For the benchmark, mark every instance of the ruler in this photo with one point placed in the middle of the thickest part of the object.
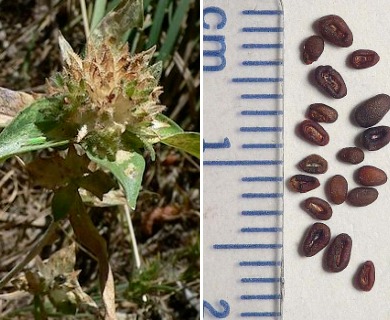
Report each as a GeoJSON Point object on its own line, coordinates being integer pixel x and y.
{"type": "Point", "coordinates": [242, 159]}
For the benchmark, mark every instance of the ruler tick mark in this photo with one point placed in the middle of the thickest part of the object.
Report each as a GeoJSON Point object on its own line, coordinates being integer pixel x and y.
{"type": "Point", "coordinates": [247, 229]}
{"type": "Point", "coordinates": [261, 213]}
{"type": "Point", "coordinates": [260, 280]}
{"type": "Point", "coordinates": [260, 263]}
{"type": "Point", "coordinates": [261, 129]}
{"type": "Point", "coordinates": [262, 46]}
{"type": "Point", "coordinates": [243, 163]}
{"type": "Point", "coordinates": [261, 113]}
{"type": "Point", "coordinates": [261, 297]}
{"type": "Point", "coordinates": [262, 63]}
{"type": "Point", "coordinates": [262, 145]}
{"type": "Point", "coordinates": [262, 179]}
{"type": "Point", "coordinates": [239, 246]}
{"type": "Point", "coordinates": [252, 80]}
{"type": "Point", "coordinates": [262, 12]}
{"type": "Point", "coordinates": [261, 314]}
{"type": "Point", "coordinates": [249, 96]}
{"type": "Point", "coordinates": [262, 29]}
{"type": "Point", "coordinates": [261, 195]}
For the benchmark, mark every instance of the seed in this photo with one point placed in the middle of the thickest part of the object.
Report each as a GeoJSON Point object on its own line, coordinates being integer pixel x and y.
{"type": "Point", "coordinates": [330, 81]}
{"type": "Point", "coordinates": [318, 208]}
{"type": "Point", "coordinates": [337, 189]}
{"type": "Point", "coordinates": [312, 49]}
{"type": "Point", "coordinates": [370, 176]}
{"type": "Point", "coordinates": [352, 155]}
{"type": "Point", "coordinates": [365, 277]}
{"type": "Point", "coordinates": [361, 59]}
{"type": "Point", "coordinates": [314, 164]}
{"type": "Point", "coordinates": [302, 183]}
{"type": "Point", "coordinates": [314, 132]}
{"type": "Point", "coordinates": [334, 29]}
{"type": "Point", "coordinates": [362, 196]}
{"type": "Point", "coordinates": [370, 112]}
{"type": "Point", "coordinates": [376, 138]}
{"type": "Point", "coordinates": [322, 113]}
{"type": "Point", "coordinates": [316, 239]}
{"type": "Point", "coordinates": [339, 253]}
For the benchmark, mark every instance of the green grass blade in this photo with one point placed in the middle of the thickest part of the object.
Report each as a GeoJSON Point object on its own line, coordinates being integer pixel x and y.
{"type": "Point", "coordinates": [99, 10]}
{"type": "Point", "coordinates": [158, 19]}
{"type": "Point", "coordinates": [174, 29]}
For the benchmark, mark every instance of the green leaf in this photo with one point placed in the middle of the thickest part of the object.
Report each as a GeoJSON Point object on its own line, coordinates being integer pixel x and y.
{"type": "Point", "coordinates": [166, 127]}
{"type": "Point", "coordinates": [127, 15]}
{"type": "Point", "coordinates": [62, 202]}
{"type": "Point", "coordinates": [128, 168]}
{"type": "Point", "coordinates": [25, 133]}
{"type": "Point", "coordinates": [186, 141]}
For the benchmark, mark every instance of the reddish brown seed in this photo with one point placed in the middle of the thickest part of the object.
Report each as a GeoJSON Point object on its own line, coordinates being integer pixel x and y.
{"type": "Point", "coordinates": [322, 113]}
{"type": "Point", "coordinates": [339, 253]}
{"type": "Point", "coordinates": [337, 189]}
{"type": "Point", "coordinates": [334, 29]}
{"type": "Point", "coordinates": [363, 58]}
{"type": "Point", "coordinates": [318, 208]}
{"type": "Point", "coordinates": [362, 196]}
{"type": "Point", "coordinates": [370, 176]}
{"type": "Point", "coordinates": [371, 111]}
{"type": "Point", "coordinates": [376, 138]}
{"type": "Point", "coordinates": [314, 132]}
{"type": "Point", "coordinates": [352, 155]}
{"type": "Point", "coordinates": [302, 183]}
{"type": "Point", "coordinates": [316, 239]}
{"type": "Point", "coordinates": [314, 164]}
{"type": "Point", "coordinates": [365, 277]}
{"type": "Point", "coordinates": [312, 49]}
{"type": "Point", "coordinates": [330, 81]}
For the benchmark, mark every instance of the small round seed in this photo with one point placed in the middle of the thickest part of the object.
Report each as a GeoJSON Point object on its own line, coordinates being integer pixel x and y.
{"type": "Point", "coordinates": [318, 208]}
{"type": "Point", "coordinates": [337, 189]}
{"type": "Point", "coordinates": [365, 277]}
{"type": "Point", "coordinates": [312, 49]}
{"type": "Point", "coordinates": [371, 111]}
{"type": "Point", "coordinates": [376, 138]}
{"type": "Point", "coordinates": [322, 113]}
{"type": "Point", "coordinates": [352, 155]}
{"type": "Point", "coordinates": [303, 183]}
{"type": "Point", "coordinates": [314, 164]}
{"type": "Point", "coordinates": [370, 176]}
{"type": "Point", "coordinates": [314, 132]}
{"type": "Point", "coordinates": [362, 196]}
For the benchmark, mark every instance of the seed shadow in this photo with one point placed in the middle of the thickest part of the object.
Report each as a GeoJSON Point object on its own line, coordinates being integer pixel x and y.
{"type": "Point", "coordinates": [300, 248]}
{"type": "Point", "coordinates": [359, 141]}
{"type": "Point", "coordinates": [301, 47]}
{"type": "Point", "coordinates": [325, 255]}
{"type": "Point", "coordinates": [355, 276]}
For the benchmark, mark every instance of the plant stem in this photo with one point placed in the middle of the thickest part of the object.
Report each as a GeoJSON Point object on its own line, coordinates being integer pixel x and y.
{"type": "Point", "coordinates": [85, 17]}
{"type": "Point", "coordinates": [132, 236]}
{"type": "Point", "coordinates": [31, 255]}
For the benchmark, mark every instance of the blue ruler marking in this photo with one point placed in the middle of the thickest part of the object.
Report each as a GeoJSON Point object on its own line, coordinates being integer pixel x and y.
{"type": "Point", "coordinates": [260, 280]}
{"type": "Point", "coordinates": [253, 63]}
{"type": "Point", "coordinates": [239, 246]}
{"type": "Point", "coordinates": [262, 29]}
{"type": "Point", "coordinates": [261, 113]}
{"type": "Point", "coordinates": [252, 229]}
{"type": "Point", "coordinates": [249, 96]}
{"type": "Point", "coordinates": [245, 80]}
{"type": "Point", "coordinates": [261, 195]}
{"type": "Point", "coordinates": [243, 163]}
{"type": "Point", "coordinates": [265, 263]}
{"type": "Point", "coordinates": [262, 12]}
{"type": "Point", "coordinates": [261, 297]}
{"type": "Point", "coordinates": [262, 179]}
{"type": "Point", "coordinates": [261, 213]}
{"type": "Point", "coordinates": [261, 129]}
{"type": "Point", "coordinates": [260, 314]}
{"type": "Point", "coordinates": [262, 145]}
{"type": "Point", "coordinates": [262, 45]}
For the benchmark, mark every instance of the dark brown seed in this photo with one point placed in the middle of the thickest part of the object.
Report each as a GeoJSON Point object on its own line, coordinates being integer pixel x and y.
{"type": "Point", "coordinates": [337, 189]}
{"type": "Point", "coordinates": [314, 164]}
{"type": "Point", "coordinates": [364, 58]}
{"type": "Point", "coordinates": [314, 132]}
{"type": "Point", "coordinates": [334, 29]}
{"type": "Point", "coordinates": [370, 176]}
{"type": "Point", "coordinates": [352, 155]}
{"type": "Point", "coordinates": [376, 138]}
{"type": "Point", "coordinates": [370, 112]}
{"type": "Point", "coordinates": [318, 208]}
{"type": "Point", "coordinates": [316, 239]}
{"type": "Point", "coordinates": [365, 277]}
{"type": "Point", "coordinates": [302, 183]}
{"type": "Point", "coordinates": [339, 253]}
{"type": "Point", "coordinates": [330, 81]}
{"type": "Point", "coordinates": [362, 196]}
{"type": "Point", "coordinates": [312, 49]}
{"type": "Point", "coordinates": [322, 113]}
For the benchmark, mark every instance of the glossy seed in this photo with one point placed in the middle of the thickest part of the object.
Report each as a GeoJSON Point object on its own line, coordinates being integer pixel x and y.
{"type": "Point", "coordinates": [362, 196]}
{"type": "Point", "coordinates": [365, 277]}
{"type": "Point", "coordinates": [353, 155]}
{"type": "Point", "coordinates": [329, 80]}
{"type": "Point", "coordinates": [302, 183]}
{"type": "Point", "coordinates": [376, 138]}
{"type": "Point", "coordinates": [370, 112]}
{"type": "Point", "coordinates": [316, 239]}
{"type": "Point", "coordinates": [337, 189]}
{"type": "Point", "coordinates": [313, 164]}
{"type": "Point", "coordinates": [370, 176]}
{"type": "Point", "coordinates": [339, 253]}
{"type": "Point", "coordinates": [318, 208]}
{"type": "Point", "coordinates": [314, 132]}
{"type": "Point", "coordinates": [312, 49]}
{"type": "Point", "coordinates": [335, 30]}
{"type": "Point", "coordinates": [364, 58]}
{"type": "Point", "coordinates": [322, 113]}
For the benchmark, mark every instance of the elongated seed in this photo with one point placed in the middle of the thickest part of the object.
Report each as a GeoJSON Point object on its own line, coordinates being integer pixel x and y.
{"type": "Point", "coordinates": [322, 113]}
{"type": "Point", "coordinates": [337, 189]}
{"type": "Point", "coordinates": [303, 183]}
{"type": "Point", "coordinates": [371, 111]}
{"type": "Point", "coordinates": [318, 208]}
{"type": "Point", "coordinates": [363, 58]}
{"type": "Point", "coordinates": [316, 239]}
{"type": "Point", "coordinates": [339, 253]}
{"type": "Point", "coordinates": [353, 155]}
{"type": "Point", "coordinates": [362, 196]}
{"type": "Point", "coordinates": [365, 277]}
{"type": "Point", "coordinates": [330, 81]}
{"type": "Point", "coordinates": [370, 176]}
{"type": "Point", "coordinates": [376, 138]}
{"type": "Point", "coordinates": [314, 132]}
{"type": "Point", "coordinates": [314, 164]}
{"type": "Point", "coordinates": [312, 49]}
{"type": "Point", "coordinates": [335, 30]}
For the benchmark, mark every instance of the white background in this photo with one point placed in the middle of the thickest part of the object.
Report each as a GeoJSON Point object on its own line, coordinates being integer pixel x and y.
{"type": "Point", "coordinates": [310, 292]}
